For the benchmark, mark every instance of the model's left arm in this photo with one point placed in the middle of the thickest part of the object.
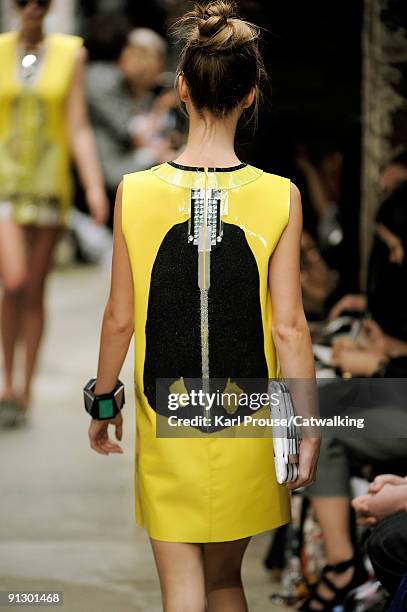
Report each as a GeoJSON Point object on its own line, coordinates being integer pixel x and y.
{"type": "Point", "coordinates": [83, 145]}
{"type": "Point", "coordinates": [290, 329]}
{"type": "Point", "coordinates": [116, 334]}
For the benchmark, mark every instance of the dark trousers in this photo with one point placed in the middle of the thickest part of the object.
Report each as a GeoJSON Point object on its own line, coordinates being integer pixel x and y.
{"type": "Point", "coordinates": [387, 549]}
{"type": "Point", "coordinates": [382, 444]}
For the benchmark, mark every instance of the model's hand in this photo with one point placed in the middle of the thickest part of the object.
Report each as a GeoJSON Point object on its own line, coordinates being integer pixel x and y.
{"type": "Point", "coordinates": [309, 453]}
{"type": "Point", "coordinates": [98, 204]}
{"type": "Point", "coordinates": [99, 437]}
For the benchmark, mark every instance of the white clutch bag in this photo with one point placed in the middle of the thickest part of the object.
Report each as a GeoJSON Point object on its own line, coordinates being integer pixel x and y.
{"type": "Point", "coordinates": [286, 443]}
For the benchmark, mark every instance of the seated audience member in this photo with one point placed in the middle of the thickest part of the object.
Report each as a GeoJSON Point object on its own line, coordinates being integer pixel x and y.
{"type": "Point", "coordinates": [385, 333]}
{"type": "Point", "coordinates": [385, 508]}
{"type": "Point", "coordinates": [322, 170]}
{"type": "Point", "coordinates": [111, 79]}
{"type": "Point", "coordinates": [154, 123]}
{"type": "Point", "coordinates": [109, 98]}
{"type": "Point", "coordinates": [320, 164]}
{"type": "Point", "coordinates": [386, 296]}
{"type": "Point", "coordinates": [340, 457]}
{"type": "Point", "coordinates": [380, 352]}
{"type": "Point", "coordinates": [317, 279]}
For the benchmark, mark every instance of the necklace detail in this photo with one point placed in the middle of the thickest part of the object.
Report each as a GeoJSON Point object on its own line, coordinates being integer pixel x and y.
{"type": "Point", "coordinates": [30, 58]}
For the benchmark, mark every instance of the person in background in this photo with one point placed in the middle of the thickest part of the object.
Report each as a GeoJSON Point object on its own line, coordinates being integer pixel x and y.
{"type": "Point", "coordinates": [322, 173]}
{"type": "Point", "coordinates": [380, 351]}
{"type": "Point", "coordinates": [321, 251]}
{"type": "Point", "coordinates": [145, 61]}
{"type": "Point", "coordinates": [109, 98]}
{"type": "Point", "coordinates": [318, 281]}
{"type": "Point", "coordinates": [384, 336]}
{"type": "Point", "coordinates": [385, 249]}
{"type": "Point", "coordinates": [43, 122]}
{"type": "Point", "coordinates": [385, 509]}
{"type": "Point", "coordinates": [118, 79]}
{"type": "Point", "coordinates": [154, 125]}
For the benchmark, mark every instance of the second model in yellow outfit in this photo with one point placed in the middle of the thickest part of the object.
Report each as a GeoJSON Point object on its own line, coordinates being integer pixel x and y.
{"type": "Point", "coordinates": [35, 181]}
{"type": "Point", "coordinates": [199, 242]}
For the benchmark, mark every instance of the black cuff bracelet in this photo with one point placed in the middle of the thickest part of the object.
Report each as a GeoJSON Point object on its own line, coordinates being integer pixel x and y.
{"type": "Point", "coordinates": [105, 405]}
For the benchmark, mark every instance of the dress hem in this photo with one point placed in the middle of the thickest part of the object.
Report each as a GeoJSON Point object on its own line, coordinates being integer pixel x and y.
{"type": "Point", "coordinates": [239, 536]}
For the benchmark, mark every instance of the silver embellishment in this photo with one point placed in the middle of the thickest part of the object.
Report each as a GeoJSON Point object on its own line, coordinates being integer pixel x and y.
{"type": "Point", "coordinates": [205, 230]}
{"type": "Point", "coordinates": [210, 215]}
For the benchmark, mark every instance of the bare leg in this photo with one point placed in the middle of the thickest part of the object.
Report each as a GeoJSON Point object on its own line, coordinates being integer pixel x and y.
{"type": "Point", "coordinates": [180, 570]}
{"type": "Point", "coordinates": [42, 243]}
{"type": "Point", "coordinates": [223, 582]}
{"type": "Point", "coordinates": [333, 514]}
{"type": "Point", "coordinates": [13, 274]}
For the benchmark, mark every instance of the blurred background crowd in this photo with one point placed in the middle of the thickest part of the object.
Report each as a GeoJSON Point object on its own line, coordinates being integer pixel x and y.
{"type": "Point", "coordinates": [333, 71]}
{"type": "Point", "coordinates": [335, 122]}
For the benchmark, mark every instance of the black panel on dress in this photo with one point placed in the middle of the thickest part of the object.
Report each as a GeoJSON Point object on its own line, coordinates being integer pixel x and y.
{"type": "Point", "coordinates": [173, 326]}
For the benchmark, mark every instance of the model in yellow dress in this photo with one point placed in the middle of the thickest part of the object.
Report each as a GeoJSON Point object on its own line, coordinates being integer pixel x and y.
{"type": "Point", "coordinates": [190, 489]}
{"type": "Point", "coordinates": [205, 275]}
{"type": "Point", "coordinates": [43, 124]}
{"type": "Point", "coordinates": [35, 180]}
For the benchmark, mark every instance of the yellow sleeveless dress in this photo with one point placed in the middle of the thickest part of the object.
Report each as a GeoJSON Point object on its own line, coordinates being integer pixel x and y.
{"type": "Point", "coordinates": [35, 181]}
{"type": "Point", "coordinates": [199, 242]}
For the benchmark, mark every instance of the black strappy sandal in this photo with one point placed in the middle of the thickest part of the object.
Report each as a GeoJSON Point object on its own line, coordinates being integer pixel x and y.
{"type": "Point", "coordinates": [360, 576]}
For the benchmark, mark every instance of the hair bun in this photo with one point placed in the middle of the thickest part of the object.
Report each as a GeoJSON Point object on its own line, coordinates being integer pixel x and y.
{"type": "Point", "coordinates": [220, 61]}
{"type": "Point", "coordinates": [214, 17]}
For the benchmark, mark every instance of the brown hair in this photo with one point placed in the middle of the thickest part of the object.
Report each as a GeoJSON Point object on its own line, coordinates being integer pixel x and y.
{"type": "Point", "coordinates": [220, 58]}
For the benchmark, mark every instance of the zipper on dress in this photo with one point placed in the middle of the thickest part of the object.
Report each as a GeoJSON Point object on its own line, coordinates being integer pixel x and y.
{"type": "Point", "coordinates": [204, 250]}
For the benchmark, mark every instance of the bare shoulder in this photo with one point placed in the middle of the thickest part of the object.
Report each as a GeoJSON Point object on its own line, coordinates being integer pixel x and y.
{"type": "Point", "coordinates": [295, 193]}
{"type": "Point", "coordinates": [119, 194]}
{"type": "Point", "coordinates": [80, 61]}
{"type": "Point", "coordinates": [295, 214]}
{"type": "Point", "coordinates": [117, 210]}
{"type": "Point", "coordinates": [81, 56]}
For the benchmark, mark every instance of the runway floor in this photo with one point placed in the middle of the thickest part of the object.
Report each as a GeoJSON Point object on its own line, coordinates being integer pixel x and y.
{"type": "Point", "coordinates": [66, 513]}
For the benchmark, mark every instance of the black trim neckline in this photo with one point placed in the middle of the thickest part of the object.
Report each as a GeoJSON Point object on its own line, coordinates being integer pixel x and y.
{"type": "Point", "coordinates": [202, 169]}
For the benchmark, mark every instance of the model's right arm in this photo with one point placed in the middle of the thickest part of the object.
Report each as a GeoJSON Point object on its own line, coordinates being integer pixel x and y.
{"type": "Point", "coordinates": [290, 329]}
{"type": "Point", "coordinates": [116, 334]}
